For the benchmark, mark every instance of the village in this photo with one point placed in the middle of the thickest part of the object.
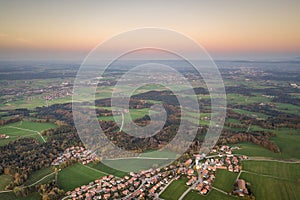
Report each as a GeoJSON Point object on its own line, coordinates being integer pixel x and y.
{"type": "Point", "coordinates": [200, 171]}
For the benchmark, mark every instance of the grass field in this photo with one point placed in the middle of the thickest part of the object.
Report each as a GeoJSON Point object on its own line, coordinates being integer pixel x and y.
{"type": "Point", "coordinates": [272, 188]}
{"type": "Point", "coordinates": [134, 113]}
{"type": "Point", "coordinates": [136, 164]}
{"type": "Point", "coordinates": [37, 175]}
{"type": "Point", "coordinates": [23, 129]}
{"type": "Point", "coordinates": [4, 181]}
{"type": "Point", "coordinates": [288, 141]}
{"type": "Point", "coordinates": [225, 180]}
{"type": "Point", "coordinates": [159, 154]}
{"type": "Point", "coordinates": [251, 149]}
{"type": "Point", "coordinates": [289, 171]}
{"type": "Point", "coordinates": [288, 108]}
{"type": "Point", "coordinates": [175, 189]}
{"type": "Point", "coordinates": [251, 114]}
{"type": "Point", "coordinates": [77, 175]}
{"type": "Point", "coordinates": [272, 180]}
{"type": "Point", "coordinates": [212, 195]}
{"type": "Point", "coordinates": [104, 168]}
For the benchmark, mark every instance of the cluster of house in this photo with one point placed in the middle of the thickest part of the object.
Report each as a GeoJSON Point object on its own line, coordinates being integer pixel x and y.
{"type": "Point", "coordinates": [152, 182]}
{"type": "Point", "coordinates": [4, 136]}
{"type": "Point", "coordinates": [78, 153]}
{"type": "Point", "coordinates": [146, 183]}
{"type": "Point", "coordinates": [207, 167]}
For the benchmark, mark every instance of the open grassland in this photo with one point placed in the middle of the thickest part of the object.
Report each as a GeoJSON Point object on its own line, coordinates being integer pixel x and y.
{"type": "Point", "coordinates": [254, 150]}
{"type": "Point", "coordinates": [288, 108]}
{"type": "Point", "coordinates": [251, 114]}
{"type": "Point", "coordinates": [136, 164]}
{"type": "Point", "coordinates": [159, 154]}
{"type": "Point", "coordinates": [77, 175]}
{"type": "Point", "coordinates": [40, 174]}
{"type": "Point", "coordinates": [133, 113]}
{"type": "Point", "coordinates": [23, 129]}
{"type": "Point", "coordinates": [4, 181]}
{"type": "Point", "coordinates": [288, 141]}
{"type": "Point", "coordinates": [289, 171]}
{"type": "Point", "coordinates": [35, 126]}
{"type": "Point", "coordinates": [225, 180]}
{"type": "Point", "coordinates": [242, 100]}
{"type": "Point", "coordinates": [269, 188]}
{"type": "Point", "coordinates": [108, 170]}
{"type": "Point", "coordinates": [175, 189]}
{"type": "Point", "coordinates": [212, 195]}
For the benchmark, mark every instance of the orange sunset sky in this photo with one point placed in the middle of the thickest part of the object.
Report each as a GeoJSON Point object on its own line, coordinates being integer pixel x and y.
{"type": "Point", "coordinates": [69, 29]}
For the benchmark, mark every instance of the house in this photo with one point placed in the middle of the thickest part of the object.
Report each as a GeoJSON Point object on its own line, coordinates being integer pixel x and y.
{"type": "Point", "coordinates": [242, 190]}
{"type": "Point", "coordinates": [190, 172]}
{"type": "Point", "coordinates": [188, 162]}
{"type": "Point", "coordinates": [4, 136]}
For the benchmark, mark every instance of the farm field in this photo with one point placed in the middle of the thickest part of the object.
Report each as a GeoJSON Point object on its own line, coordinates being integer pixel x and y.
{"type": "Point", "coordinates": [289, 171]}
{"type": "Point", "coordinates": [159, 154]}
{"type": "Point", "coordinates": [251, 149]}
{"type": "Point", "coordinates": [136, 164]}
{"type": "Point", "coordinates": [104, 168]}
{"type": "Point", "coordinates": [24, 129]}
{"type": "Point", "coordinates": [212, 195]}
{"type": "Point", "coordinates": [272, 188]}
{"type": "Point", "coordinates": [134, 113]}
{"type": "Point", "coordinates": [37, 175]}
{"type": "Point", "coordinates": [175, 189]}
{"type": "Point", "coordinates": [225, 180]}
{"type": "Point", "coordinates": [77, 175]}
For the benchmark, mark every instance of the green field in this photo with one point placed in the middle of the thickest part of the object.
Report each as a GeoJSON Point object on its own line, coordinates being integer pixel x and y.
{"type": "Point", "coordinates": [23, 129]}
{"type": "Point", "coordinates": [251, 114]}
{"type": "Point", "coordinates": [288, 108]}
{"type": "Point", "coordinates": [77, 175]}
{"type": "Point", "coordinates": [104, 168]}
{"type": "Point", "coordinates": [212, 195]}
{"type": "Point", "coordinates": [136, 164]}
{"type": "Point", "coordinates": [272, 179]}
{"type": "Point", "coordinates": [133, 113]}
{"type": "Point", "coordinates": [289, 171]}
{"type": "Point", "coordinates": [4, 181]}
{"type": "Point", "coordinates": [272, 188]}
{"type": "Point", "coordinates": [175, 189]}
{"type": "Point", "coordinates": [37, 175]}
{"type": "Point", "coordinates": [159, 154]}
{"type": "Point", "coordinates": [288, 141]}
{"type": "Point", "coordinates": [251, 149]}
{"type": "Point", "coordinates": [225, 180]}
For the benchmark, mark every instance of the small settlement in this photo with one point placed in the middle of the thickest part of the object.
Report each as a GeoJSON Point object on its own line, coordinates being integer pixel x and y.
{"type": "Point", "coordinates": [200, 171]}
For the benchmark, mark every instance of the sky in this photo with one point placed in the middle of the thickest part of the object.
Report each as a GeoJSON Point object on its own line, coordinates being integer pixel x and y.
{"type": "Point", "coordinates": [69, 29]}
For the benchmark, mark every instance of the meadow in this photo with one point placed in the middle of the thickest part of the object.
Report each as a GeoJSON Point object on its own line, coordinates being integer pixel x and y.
{"type": "Point", "coordinates": [288, 171]}
{"type": "Point", "coordinates": [24, 129]}
{"type": "Point", "coordinates": [272, 188]}
{"type": "Point", "coordinates": [212, 195]}
{"type": "Point", "coordinates": [77, 175]}
{"type": "Point", "coordinates": [136, 164]}
{"type": "Point", "coordinates": [40, 174]}
{"type": "Point", "coordinates": [225, 180]}
{"type": "Point", "coordinates": [106, 169]}
{"type": "Point", "coordinates": [175, 189]}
